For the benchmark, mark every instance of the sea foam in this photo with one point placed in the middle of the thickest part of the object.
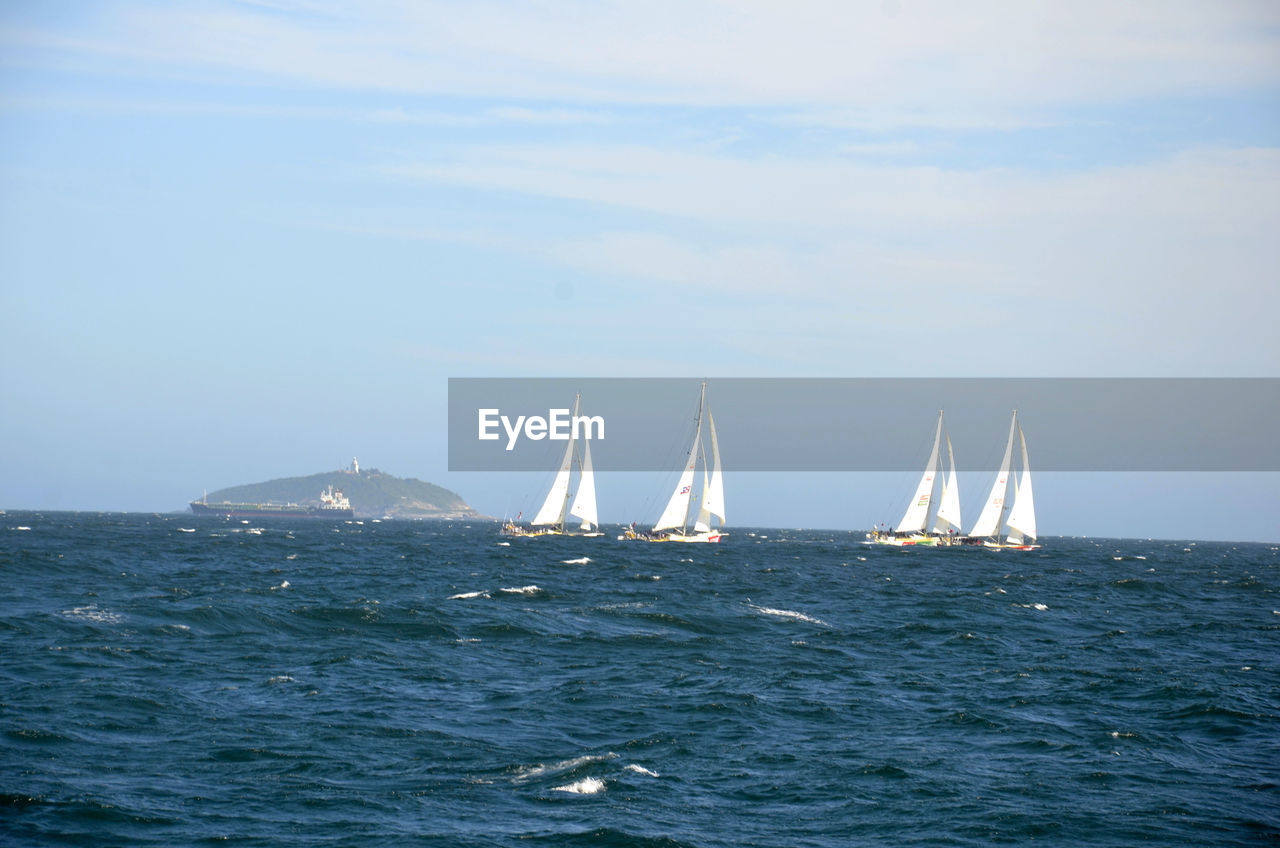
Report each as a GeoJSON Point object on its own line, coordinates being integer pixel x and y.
{"type": "Point", "coordinates": [792, 614]}
{"type": "Point", "coordinates": [586, 786]}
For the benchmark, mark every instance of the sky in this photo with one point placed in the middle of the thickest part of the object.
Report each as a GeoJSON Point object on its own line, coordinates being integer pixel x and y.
{"type": "Point", "coordinates": [247, 240]}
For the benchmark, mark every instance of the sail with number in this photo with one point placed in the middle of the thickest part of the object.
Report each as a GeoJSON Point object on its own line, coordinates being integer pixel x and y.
{"type": "Point", "coordinates": [673, 524]}
{"type": "Point", "coordinates": [677, 511]}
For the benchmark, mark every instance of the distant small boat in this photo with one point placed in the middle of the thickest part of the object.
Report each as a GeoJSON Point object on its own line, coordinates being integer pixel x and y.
{"type": "Point", "coordinates": [1020, 523]}
{"type": "Point", "coordinates": [946, 525]}
{"type": "Point", "coordinates": [551, 519]}
{"type": "Point", "coordinates": [673, 525]}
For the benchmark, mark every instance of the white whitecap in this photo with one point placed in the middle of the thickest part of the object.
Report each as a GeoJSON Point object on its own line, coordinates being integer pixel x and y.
{"type": "Point", "coordinates": [504, 544]}
{"type": "Point", "coordinates": [22, 527]}
{"type": "Point", "coordinates": [521, 590]}
{"type": "Point", "coordinates": [540, 770]}
{"type": "Point", "coordinates": [186, 529]}
{"type": "Point", "coordinates": [93, 613]}
{"type": "Point", "coordinates": [462, 596]}
{"type": "Point", "coordinates": [792, 614]}
{"type": "Point", "coordinates": [641, 770]}
{"type": "Point", "coordinates": [578, 561]}
{"type": "Point", "coordinates": [586, 786]}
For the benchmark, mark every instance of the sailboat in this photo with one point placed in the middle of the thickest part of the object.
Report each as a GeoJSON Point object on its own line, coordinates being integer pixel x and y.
{"type": "Point", "coordinates": [673, 525]}
{"type": "Point", "coordinates": [552, 518]}
{"type": "Point", "coordinates": [1020, 522]}
{"type": "Point", "coordinates": [946, 523]}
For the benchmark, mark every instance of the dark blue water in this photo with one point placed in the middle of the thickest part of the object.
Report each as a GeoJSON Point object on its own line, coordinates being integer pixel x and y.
{"type": "Point", "coordinates": [172, 681]}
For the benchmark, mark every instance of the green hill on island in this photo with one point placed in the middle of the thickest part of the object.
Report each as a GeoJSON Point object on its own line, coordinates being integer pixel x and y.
{"type": "Point", "coordinates": [373, 494]}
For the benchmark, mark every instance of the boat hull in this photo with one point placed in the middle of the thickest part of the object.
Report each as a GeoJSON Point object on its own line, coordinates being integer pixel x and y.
{"type": "Point", "coordinates": [514, 530]}
{"type": "Point", "coordinates": [916, 541]}
{"type": "Point", "coordinates": [713, 536]}
{"type": "Point", "coordinates": [251, 510]}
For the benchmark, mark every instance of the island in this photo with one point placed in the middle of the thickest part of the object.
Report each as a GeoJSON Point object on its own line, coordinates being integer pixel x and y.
{"type": "Point", "coordinates": [371, 494]}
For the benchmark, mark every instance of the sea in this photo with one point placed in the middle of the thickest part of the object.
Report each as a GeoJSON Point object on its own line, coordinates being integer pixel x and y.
{"type": "Point", "coordinates": [167, 680]}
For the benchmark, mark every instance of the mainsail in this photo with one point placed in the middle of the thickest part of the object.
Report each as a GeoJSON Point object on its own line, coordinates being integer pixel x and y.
{"type": "Point", "coordinates": [584, 503]}
{"type": "Point", "coordinates": [948, 517]}
{"type": "Point", "coordinates": [552, 511]}
{"type": "Point", "coordinates": [713, 488]}
{"type": "Point", "coordinates": [917, 514]}
{"type": "Point", "coordinates": [711, 503]}
{"type": "Point", "coordinates": [677, 511]}
{"type": "Point", "coordinates": [989, 520]}
{"type": "Point", "coordinates": [555, 507]}
{"type": "Point", "coordinates": [1022, 517]}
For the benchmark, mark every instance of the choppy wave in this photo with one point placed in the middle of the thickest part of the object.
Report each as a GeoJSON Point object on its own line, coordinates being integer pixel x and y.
{"type": "Point", "coordinates": [420, 683]}
{"type": "Point", "coordinates": [791, 614]}
{"type": "Point", "coordinates": [586, 786]}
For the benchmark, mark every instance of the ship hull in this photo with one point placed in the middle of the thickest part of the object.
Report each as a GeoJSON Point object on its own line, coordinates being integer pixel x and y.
{"type": "Point", "coordinates": [249, 510]}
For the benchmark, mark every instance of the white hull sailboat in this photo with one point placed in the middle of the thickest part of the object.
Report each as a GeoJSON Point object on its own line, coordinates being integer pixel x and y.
{"type": "Point", "coordinates": [946, 521]}
{"type": "Point", "coordinates": [673, 525]}
{"type": "Point", "coordinates": [552, 518]}
{"type": "Point", "coordinates": [1019, 522]}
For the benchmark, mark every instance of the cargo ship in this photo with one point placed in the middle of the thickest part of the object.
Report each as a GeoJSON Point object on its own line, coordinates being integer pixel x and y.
{"type": "Point", "coordinates": [333, 504]}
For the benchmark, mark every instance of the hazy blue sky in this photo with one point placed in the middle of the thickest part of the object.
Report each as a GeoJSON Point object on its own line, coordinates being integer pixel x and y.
{"type": "Point", "coordinates": [244, 240]}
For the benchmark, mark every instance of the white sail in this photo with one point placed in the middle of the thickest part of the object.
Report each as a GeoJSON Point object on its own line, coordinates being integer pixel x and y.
{"type": "Point", "coordinates": [702, 524]}
{"type": "Point", "coordinates": [988, 523]}
{"type": "Point", "coordinates": [917, 514]}
{"type": "Point", "coordinates": [713, 491]}
{"type": "Point", "coordinates": [711, 502]}
{"type": "Point", "coordinates": [1022, 517]}
{"type": "Point", "coordinates": [584, 502]}
{"type": "Point", "coordinates": [677, 510]}
{"type": "Point", "coordinates": [949, 511]}
{"type": "Point", "coordinates": [552, 511]}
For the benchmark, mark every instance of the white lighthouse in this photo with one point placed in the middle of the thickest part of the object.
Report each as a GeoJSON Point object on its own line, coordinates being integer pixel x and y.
{"type": "Point", "coordinates": [355, 465]}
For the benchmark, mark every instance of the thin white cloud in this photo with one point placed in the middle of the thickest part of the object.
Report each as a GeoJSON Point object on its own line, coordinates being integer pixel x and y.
{"type": "Point", "coordinates": [824, 194]}
{"type": "Point", "coordinates": [930, 63]}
